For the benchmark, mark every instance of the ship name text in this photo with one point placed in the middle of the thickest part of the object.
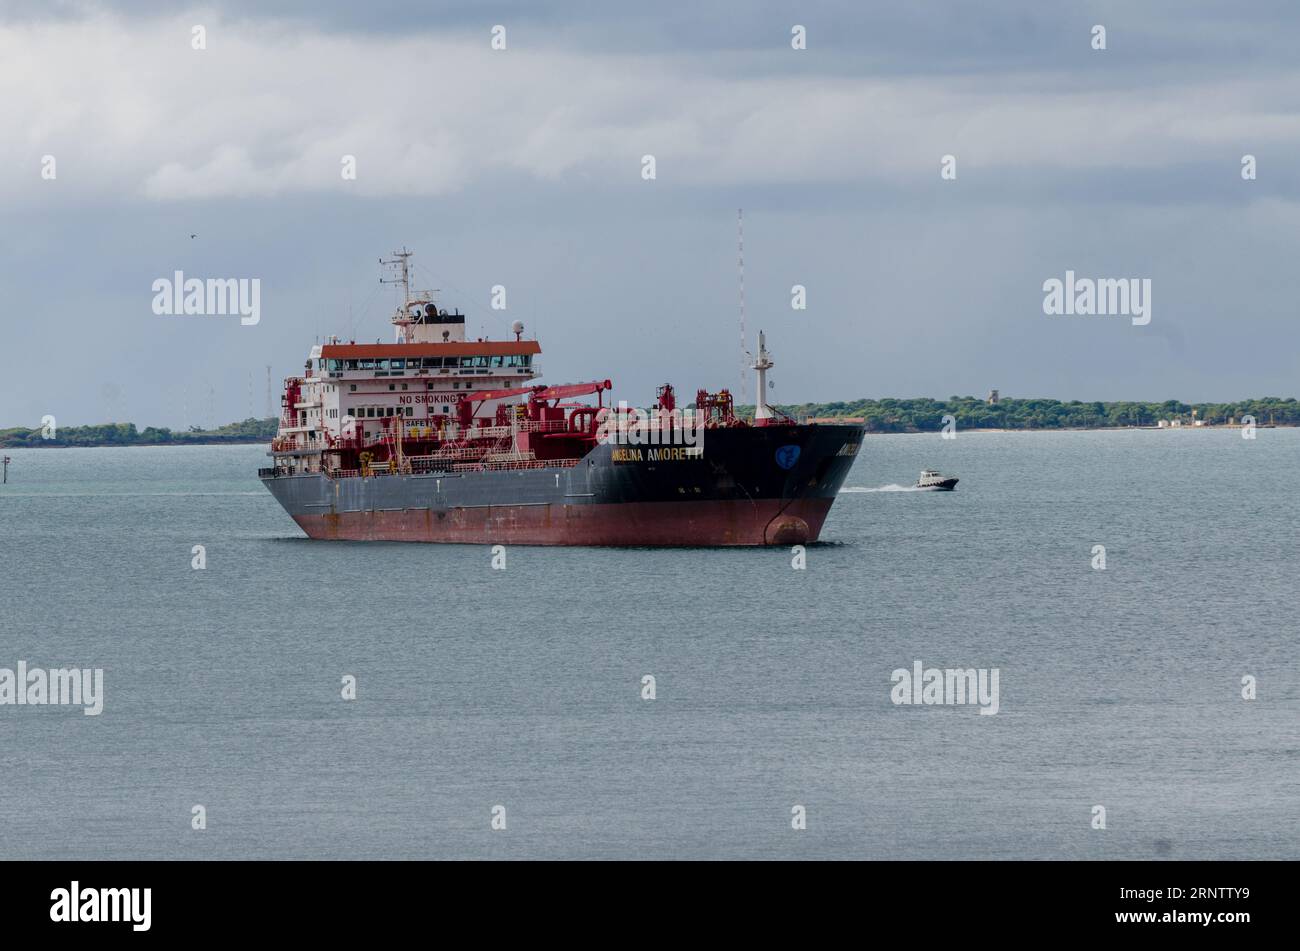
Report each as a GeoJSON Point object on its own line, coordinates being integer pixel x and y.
{"type": "Point", "coordinates": [667, 454]}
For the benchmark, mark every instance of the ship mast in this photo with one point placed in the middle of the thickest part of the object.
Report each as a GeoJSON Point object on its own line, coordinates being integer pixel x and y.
{"type": "Point", "coordinates": [401, 263]}
{"type": "Point", "coordinates": [762, 411]}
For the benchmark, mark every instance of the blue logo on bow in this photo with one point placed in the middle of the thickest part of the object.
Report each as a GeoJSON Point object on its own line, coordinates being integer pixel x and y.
{"type": "Point", "coordinates": [787, 456]}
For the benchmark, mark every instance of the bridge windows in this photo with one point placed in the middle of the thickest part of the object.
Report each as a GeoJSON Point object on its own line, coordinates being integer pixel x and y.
{"type": "Point", "coordinates": [400, 366]}
{"type": "Point", "coordinates": [382, 412]}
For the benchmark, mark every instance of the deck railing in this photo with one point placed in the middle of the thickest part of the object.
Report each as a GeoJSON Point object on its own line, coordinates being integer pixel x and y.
{"type": "Point", "coordinates": [543, 425]}
{"type": "Point", "coordinates": [499, 465]}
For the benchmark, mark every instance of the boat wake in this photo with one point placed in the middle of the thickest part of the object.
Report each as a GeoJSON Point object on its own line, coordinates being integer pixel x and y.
{"type": "Point", "coordinates": [885, 488]}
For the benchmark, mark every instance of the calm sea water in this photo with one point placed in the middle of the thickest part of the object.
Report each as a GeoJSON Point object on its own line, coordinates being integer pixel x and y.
{"type": "Point", "coordinates": [522, 687]}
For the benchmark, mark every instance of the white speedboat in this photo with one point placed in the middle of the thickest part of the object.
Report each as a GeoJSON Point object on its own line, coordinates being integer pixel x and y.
{"type": "Point", "coordinates": [932, 479]}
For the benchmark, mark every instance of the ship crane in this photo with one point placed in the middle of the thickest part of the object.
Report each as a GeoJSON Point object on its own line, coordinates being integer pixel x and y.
{"type": "Point", "coordinates": [535, 394]}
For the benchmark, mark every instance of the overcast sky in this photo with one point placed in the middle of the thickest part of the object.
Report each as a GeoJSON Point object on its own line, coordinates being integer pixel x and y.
{"type": "Point", "coordinates": [523, 167]}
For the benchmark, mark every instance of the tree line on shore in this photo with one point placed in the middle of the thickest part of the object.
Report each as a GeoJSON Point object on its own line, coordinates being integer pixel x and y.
{"type": "Point", "coordinates": [969, 412]}
{"type": "Point", "coordinates": [882, 416]}
{"type": "Point", "coordinates": [126, 434]}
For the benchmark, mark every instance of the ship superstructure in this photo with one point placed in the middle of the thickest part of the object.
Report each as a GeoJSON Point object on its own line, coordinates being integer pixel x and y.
{"type": "Point", "coordinates": [435, 437]}
{"type": "Point", "coordinates": [384, 398]}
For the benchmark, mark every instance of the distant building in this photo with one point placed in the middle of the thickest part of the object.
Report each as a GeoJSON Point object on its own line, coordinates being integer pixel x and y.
{"type": "Point", "coordinates": [1162, 424]}
{"type": "Point", "coordinates": [993, 398]}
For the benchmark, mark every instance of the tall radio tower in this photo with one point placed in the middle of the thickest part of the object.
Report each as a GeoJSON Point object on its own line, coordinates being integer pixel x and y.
{"type": "Point", "coordinates": [740, 263]}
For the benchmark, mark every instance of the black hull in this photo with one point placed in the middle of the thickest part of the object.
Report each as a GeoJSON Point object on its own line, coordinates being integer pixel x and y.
{"type": "Point", "coordinates": [769, 485]}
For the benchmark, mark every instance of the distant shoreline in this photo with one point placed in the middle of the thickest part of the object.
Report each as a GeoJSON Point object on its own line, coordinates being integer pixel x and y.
{"type": "Point", "coordinates": [1093, 429]}
{"type": "Point", "coordinates": [965, 414]}
{"type": "Point", "coordinates": [54, 444]}
{"type": "Point", "coordinates": [248, 432]}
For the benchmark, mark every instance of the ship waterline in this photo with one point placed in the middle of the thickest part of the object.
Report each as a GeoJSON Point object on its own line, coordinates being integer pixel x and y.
{"type": "Point", "coordinates": [626, 524]}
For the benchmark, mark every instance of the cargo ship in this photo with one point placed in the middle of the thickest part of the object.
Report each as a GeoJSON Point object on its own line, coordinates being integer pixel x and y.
{"type": "Point", "coordinates": [439, 438]}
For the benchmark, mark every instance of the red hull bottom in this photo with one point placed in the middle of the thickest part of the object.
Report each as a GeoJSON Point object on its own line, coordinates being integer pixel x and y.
{"type": "Point", "coordinates": [625, 524]}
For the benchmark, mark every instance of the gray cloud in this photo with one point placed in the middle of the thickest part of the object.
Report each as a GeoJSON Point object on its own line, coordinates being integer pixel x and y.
{"type": "Point", "coordinates": [522, 168]}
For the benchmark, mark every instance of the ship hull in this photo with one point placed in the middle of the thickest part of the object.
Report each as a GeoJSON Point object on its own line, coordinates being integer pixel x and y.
{"type": "Point", "coordinates": [625, 524]}
{"type": "Point", "coordinates": [770, 485]}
